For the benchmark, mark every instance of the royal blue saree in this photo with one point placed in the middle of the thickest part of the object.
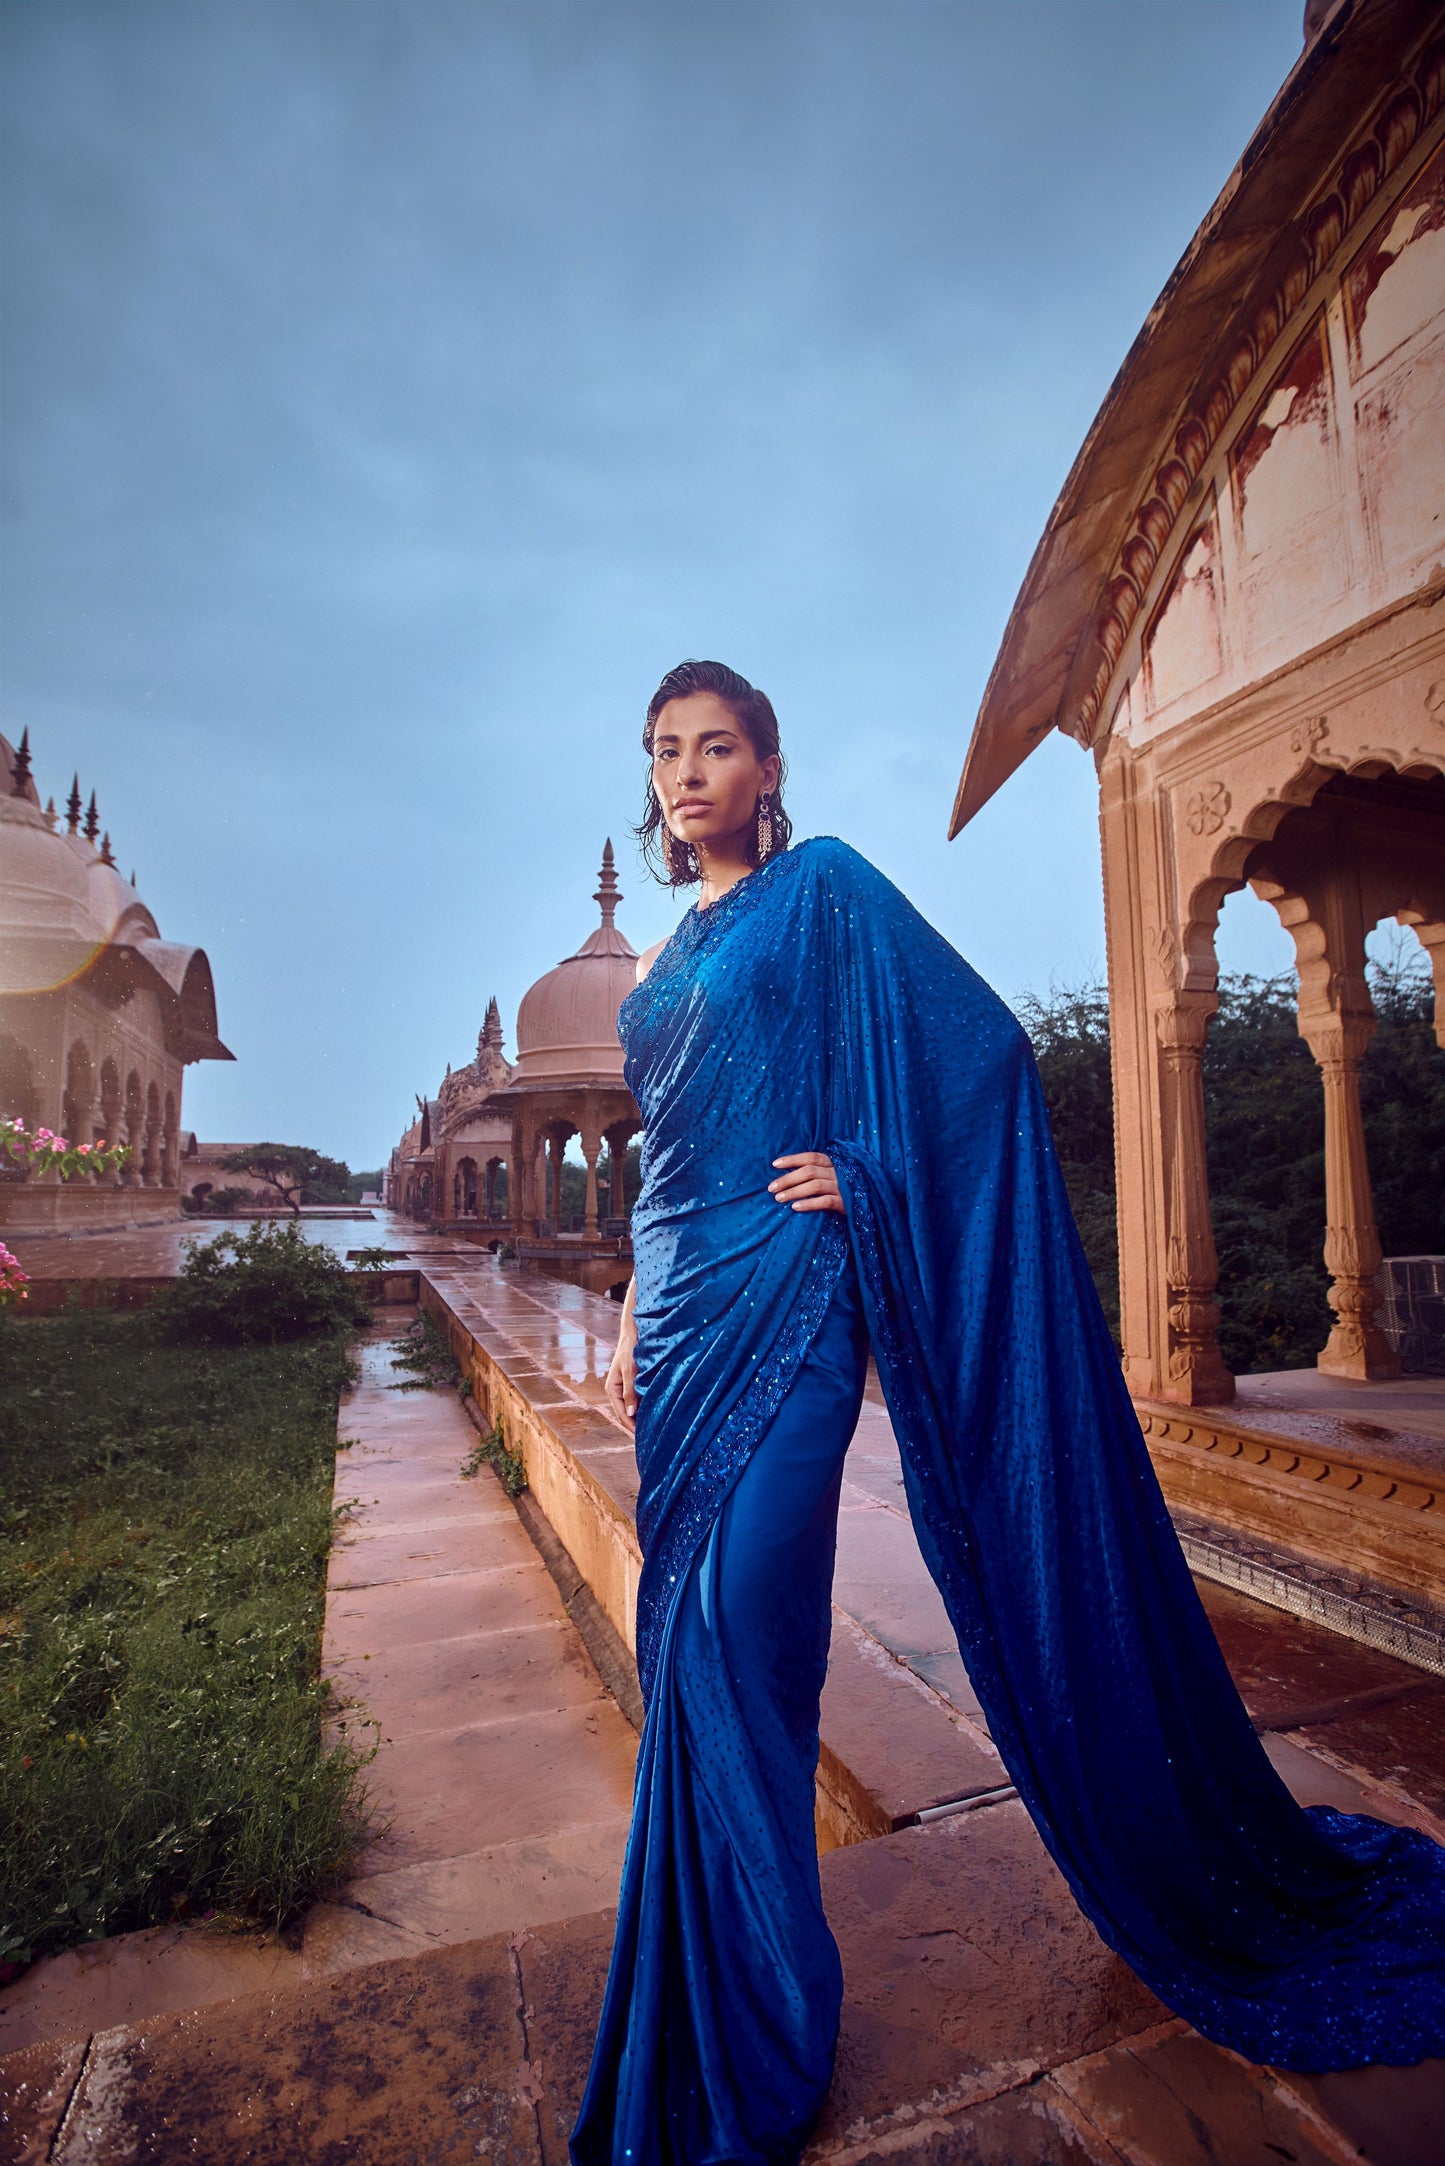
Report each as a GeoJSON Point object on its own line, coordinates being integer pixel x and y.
{"type": "Point", "coordinates": [812, 1008]}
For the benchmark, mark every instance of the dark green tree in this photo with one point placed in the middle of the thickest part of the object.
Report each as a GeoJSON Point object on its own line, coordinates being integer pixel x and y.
{"type": "Point", "coordinates": [297, 1174]}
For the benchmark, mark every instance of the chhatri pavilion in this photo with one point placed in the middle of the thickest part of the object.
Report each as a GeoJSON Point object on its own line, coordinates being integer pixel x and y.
{"type": "Point", "coordinates": [99, 1016]}
{"type": "Point", "coordinates": [1237, 607]}
{"type": "Point", "coordinates": [486, 1153]}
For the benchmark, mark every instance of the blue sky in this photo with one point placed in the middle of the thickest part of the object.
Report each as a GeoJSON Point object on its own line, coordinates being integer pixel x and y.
{"type": "Point", "coordinates": [396, 388]}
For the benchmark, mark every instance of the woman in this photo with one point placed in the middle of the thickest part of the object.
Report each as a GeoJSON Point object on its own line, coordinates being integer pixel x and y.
{"type": "Point", "coordinates": [845, 1143]}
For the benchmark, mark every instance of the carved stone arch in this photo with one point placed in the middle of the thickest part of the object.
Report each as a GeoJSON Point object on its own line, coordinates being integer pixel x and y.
{"type": "Point", "coordinates": [494, 1176]}
{"type": "Point", "coordinates": [464, 1187]}
{"type": "Point", "coordinates": [1214, 867]}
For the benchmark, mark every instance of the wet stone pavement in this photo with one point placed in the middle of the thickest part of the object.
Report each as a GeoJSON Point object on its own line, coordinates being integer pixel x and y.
{"type": "Point", "coordinates": [442, 2006]}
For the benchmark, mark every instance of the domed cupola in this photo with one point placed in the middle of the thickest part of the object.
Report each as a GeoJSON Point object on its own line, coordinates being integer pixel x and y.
{"type": "Point", "coordinates": [567, 1022]}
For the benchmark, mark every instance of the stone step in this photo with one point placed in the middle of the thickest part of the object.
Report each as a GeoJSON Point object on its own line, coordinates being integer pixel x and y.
{"type": "Point", "coordinates": [983, 2021]}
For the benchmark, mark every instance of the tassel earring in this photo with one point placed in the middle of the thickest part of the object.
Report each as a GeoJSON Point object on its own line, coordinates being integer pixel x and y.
{"type": "Point", "coordinates": [765, 830]}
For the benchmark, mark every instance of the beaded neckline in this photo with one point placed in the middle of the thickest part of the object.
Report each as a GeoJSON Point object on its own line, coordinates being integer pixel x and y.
{"type": "Point", "coordinates": [694, 930]}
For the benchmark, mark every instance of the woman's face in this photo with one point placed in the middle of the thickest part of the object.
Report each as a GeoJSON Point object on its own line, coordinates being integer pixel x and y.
{"type": "Point", "coordinates": [706, 774]}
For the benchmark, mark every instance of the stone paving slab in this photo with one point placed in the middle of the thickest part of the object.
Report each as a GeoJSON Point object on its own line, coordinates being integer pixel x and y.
{"type": "Point", "coordinates": [1035, 2125]}
{"type": "Point", "coordinates": [1291, 1672]}
{"type": "Point", "coordinates": [399, 1612]}
{"type": "Point", "coordinates": [396, 2064]}
{"type": "Point", "coordinates": [1401, 1745]}
{"type": "Point", "coordinates": [983, 2021]}
{"type": "Point", "coordinates": [167, 1969]}
{"type": "Point", "coordinates": [506, 1736]}
{"type": "Point", "coordinates": [35, 2088]}
{"type": "Point", "coordinates": [969, 1968]}
{"type": "Point", "coordinates": [426, 1549]}
{"type": "Point", "coordinates": [1170, 2095]}
{"type": "Point", "coordinates": [488, 1888]}
{"type": "Point", "coordinates": [452, 1791]}
{"type": "Point", "coordinates": [528, 1668]}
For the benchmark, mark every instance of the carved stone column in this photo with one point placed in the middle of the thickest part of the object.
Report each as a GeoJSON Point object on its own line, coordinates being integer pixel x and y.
{"type": "Point", "coordinates": [554, 1186]}
{"type": "Point", "coordinates": [151, 1155]}
{"type": "Point", "coordinates": [618, 1138]}
{"type": "Point", "coordinates": [1196, 1372]}
{"type": "Point", "coordinates": [1356, 1346]}
{"type": "Point", "coordinates": [132, 1173]}
{"type": "Point", "coordinates": [591, 1152]}
{"type": "Point", "coordinates": [517, 1180]}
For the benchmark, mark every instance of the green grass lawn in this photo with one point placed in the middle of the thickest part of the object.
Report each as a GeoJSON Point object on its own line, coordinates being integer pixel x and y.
{"type": "Point", "coordinates": [165, 1519]}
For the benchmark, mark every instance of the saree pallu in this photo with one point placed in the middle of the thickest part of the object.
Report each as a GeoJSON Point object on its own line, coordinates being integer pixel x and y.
{"type": "Point", "coordinates": [812, 1008]}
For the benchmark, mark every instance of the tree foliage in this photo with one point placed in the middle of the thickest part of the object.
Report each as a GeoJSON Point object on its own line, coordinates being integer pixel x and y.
{"type": "Point", "coordinates": [296, 1173]}
{"type": "Point", "coordinates": [1264, 1120]}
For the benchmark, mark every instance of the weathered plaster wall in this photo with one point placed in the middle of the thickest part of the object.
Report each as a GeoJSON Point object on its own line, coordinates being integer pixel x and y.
{"type": "Point", "coordinates": [1328, 503]}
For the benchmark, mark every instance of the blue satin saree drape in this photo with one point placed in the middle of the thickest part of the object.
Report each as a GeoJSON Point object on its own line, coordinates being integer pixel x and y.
{"type": "Point", "coordinates": [813, 1008]}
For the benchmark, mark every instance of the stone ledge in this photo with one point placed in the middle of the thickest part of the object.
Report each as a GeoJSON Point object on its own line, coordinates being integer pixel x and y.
{"type": "Point", "coordinates": [1368, 1514]}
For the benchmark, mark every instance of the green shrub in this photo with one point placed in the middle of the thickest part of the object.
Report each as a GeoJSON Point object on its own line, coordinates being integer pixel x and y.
{"type": "Point", "coordinates": [266, 1284]}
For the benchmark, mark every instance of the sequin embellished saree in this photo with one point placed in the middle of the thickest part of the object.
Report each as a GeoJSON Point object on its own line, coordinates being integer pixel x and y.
{"type": "Point", "coordinates": [813, 1009]}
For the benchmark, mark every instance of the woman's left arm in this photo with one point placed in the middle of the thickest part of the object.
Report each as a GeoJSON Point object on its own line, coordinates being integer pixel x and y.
{"type": "Point", "coordinates": [808, 1182]}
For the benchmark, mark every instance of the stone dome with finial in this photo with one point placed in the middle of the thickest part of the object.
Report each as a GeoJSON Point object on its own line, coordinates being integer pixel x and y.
{"type": "Point", "coordinates": [67, 913]}
{"type": "Point", "coordinates": [567, 1022]}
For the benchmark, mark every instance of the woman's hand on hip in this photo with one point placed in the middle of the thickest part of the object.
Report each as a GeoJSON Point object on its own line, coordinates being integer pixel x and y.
{"type": "Point", "coordinates": [808, 1182]}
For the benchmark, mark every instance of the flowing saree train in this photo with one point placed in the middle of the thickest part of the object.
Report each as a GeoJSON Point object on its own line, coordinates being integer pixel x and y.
{"type": "Point", "coordinates": [813, 1008]}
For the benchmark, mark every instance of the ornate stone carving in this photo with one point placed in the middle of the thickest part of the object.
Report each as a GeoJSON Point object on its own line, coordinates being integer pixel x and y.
{"type": "Point", "coordinates": [1207, 808]}
{"type": "Point", "coordinates": [1408, 109]}
{"type": "Point", "coordinates": [1164, 954]}
{"type": "Point", "coordinates": [493, 1070]}
{"type": "Point", "coordinates": [1307, 736]}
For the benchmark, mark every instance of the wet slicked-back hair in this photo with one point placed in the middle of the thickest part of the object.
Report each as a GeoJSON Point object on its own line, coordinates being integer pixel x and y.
{"type": "Point", "coordinates": [752, 710]}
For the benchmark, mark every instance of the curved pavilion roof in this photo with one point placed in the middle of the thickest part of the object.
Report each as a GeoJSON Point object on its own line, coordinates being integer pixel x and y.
{"type": "Point", "coordinates": [1368, 83]}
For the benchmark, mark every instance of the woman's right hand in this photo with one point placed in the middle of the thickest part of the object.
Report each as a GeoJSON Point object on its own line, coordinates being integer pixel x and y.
{"type": "Point", "coordinates": [621, 1384]}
